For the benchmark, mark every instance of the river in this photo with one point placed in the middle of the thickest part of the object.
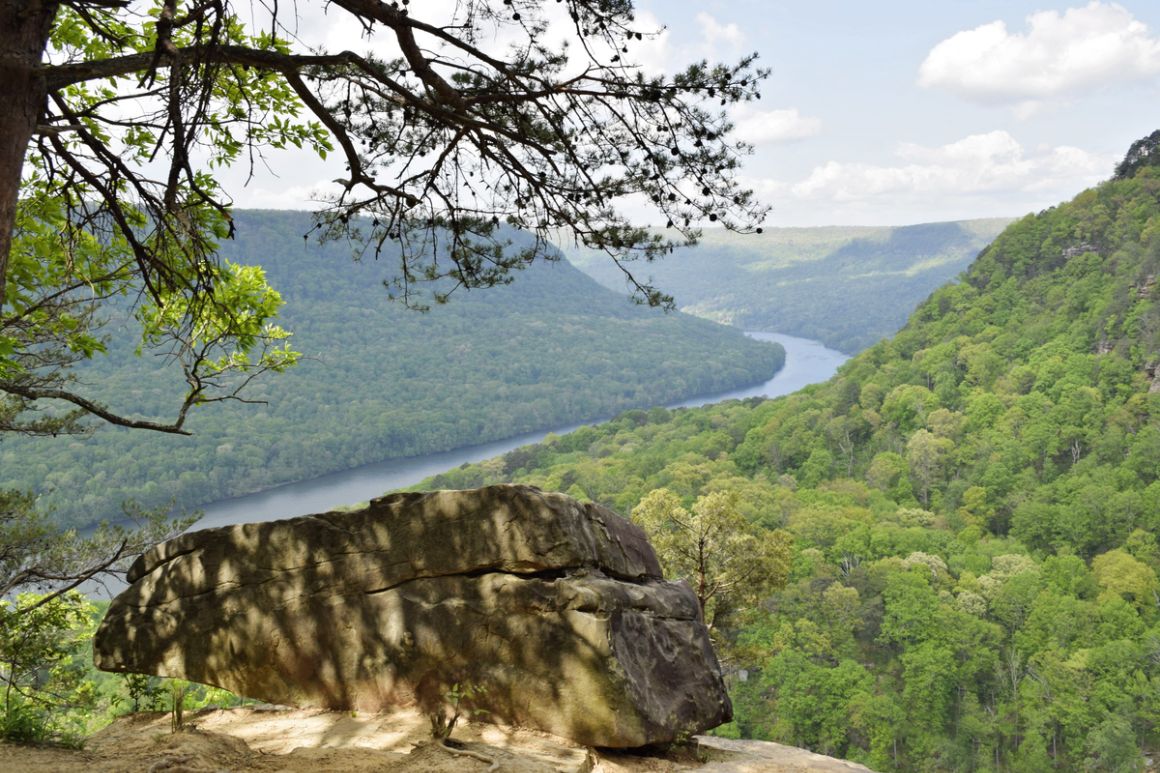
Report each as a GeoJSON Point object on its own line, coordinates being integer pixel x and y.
{"type": "Point", "coordinates": [806, 362]}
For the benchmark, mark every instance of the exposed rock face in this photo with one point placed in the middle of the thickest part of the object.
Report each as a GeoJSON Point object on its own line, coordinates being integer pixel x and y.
{"type": "Point", "coordinates": [556, 608]}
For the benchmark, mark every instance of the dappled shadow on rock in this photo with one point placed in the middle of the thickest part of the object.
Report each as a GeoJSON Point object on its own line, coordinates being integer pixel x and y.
{"type": "Point", "coordinates": [538, 609]}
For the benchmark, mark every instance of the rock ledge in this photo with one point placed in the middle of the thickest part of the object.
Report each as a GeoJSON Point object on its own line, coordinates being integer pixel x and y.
{"type": "Point", "coordinates": [555, 608]}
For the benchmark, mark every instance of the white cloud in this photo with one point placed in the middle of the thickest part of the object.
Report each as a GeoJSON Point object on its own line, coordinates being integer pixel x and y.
{"type": "Point", "coordinates": [980, 163]}
{"type": "Point", "coordinates": [300, 197]}
{"type": "Point", "coordinates": [718, 40]}
{"type": "Point", "coordinates": [660, 54]}
{"type": "Point", "coordinates": [1059, 54]}
{"type": "Point", "coordinates": [760, 127]}
{"type": "Point", "coordinates": [981, 175]}
{"type": "Point", "coordinates": [653, 54]}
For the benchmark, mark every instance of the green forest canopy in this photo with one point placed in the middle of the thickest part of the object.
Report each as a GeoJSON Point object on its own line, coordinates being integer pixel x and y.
{"type": "Point", "coordinates": [379, 381]}
{"type": "Point", "coordinates": [973, 506]}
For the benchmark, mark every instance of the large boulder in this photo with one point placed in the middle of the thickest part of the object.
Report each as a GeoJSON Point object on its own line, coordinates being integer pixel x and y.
{"type": "Point", "coordinates": [549, 612]}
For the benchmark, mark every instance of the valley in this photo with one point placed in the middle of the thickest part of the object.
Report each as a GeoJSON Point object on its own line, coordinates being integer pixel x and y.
{"type": "Point", "coordinates": [806, 362]}
{"type": "Point", "coordinates": [599, 386]}
{"type": "Point", "coordinates": [972, 504]}
{"type": "Point", "coordinates": [377, 380]}
{"type": "Point", "coordinates": [847, 287]}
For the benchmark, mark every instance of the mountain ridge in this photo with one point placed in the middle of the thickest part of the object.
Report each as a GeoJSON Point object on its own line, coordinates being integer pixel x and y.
{"type": "Point", "coordinates": [847, 286]}
{"type": "Point", "coordinates": [974, 506]}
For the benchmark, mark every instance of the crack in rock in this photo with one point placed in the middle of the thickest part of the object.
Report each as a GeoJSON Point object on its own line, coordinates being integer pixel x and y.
{"type": "Point", "coordinates": [556, 607]}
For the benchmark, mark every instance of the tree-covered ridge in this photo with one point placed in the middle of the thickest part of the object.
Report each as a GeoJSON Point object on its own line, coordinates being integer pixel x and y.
{"type": "Point", "coordinates": [379, 381]}
{"type": "Point", "coordinates": [1141, 154]}
{"type": "Point", "coordinates": [848, 287]}
{"type": "Point", "coordinates": [974, 507]}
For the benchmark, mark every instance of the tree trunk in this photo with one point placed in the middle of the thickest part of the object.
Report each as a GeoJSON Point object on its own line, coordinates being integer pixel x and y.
{"type": "Point", "coordinates": [24, 29]}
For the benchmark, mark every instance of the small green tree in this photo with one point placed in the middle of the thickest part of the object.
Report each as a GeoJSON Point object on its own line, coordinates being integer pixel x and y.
{"type": "Point", "coordinates": [1120, 574]}
{"type": "Point", "coordinates": [456, 700]}
{"type": "Point", "coordinates": [144, 691]}
{"type": "Point", "coordinates": [730, 563]}
{"type": "Point", "coordinates": [1111, 747]}
{"type": "Point", "coordinates": [43, 671]}
{"type": "Point", "coordinates": [44, 678]}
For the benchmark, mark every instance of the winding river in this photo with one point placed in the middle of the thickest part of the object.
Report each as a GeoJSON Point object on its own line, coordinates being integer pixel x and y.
{"type": "Point", "coordinates": [806, 362]}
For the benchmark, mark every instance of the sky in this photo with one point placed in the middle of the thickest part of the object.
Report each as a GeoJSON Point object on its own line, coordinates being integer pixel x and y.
{"type": "Point", "coordinates": [897, 111]}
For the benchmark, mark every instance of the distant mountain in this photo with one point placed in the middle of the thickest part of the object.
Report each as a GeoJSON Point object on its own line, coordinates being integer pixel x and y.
{"type": "Point", "coordinates": [845, 286]}
{"type": "Point", "coordinates": [974, 506]}
{"type": "Point", "coordinates": [380, 381]}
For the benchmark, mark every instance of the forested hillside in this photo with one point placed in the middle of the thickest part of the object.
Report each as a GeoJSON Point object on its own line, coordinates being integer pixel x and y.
{"type": "Point", "coordinates": [847, 287]}
{"type": "Point", "coordinates": [380, 381]}
{"type": "Point", "coordinates": [973, 507]}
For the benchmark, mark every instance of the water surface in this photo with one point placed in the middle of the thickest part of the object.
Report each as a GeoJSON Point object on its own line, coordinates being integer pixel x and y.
{"type": "Point", "coordinates": [806, 362]}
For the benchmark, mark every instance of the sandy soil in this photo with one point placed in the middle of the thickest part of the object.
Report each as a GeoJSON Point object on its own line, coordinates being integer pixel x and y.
{"type": "Point", "coordinates": [304, 741]}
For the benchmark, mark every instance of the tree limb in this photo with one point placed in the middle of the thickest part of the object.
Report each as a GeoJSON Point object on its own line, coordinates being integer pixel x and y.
{"type": "Point", "coordinates": [98, 410]}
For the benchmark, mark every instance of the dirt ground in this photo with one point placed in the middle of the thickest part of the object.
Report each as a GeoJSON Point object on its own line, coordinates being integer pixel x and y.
{"type": "Point", "coordinates": [305, 741]}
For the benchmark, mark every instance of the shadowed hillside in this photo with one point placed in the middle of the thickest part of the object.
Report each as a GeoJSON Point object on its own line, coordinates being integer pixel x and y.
{"type": "Point", "coordinates": [381, 381]}
{"type": "Point", "coordinates": [845, 286]}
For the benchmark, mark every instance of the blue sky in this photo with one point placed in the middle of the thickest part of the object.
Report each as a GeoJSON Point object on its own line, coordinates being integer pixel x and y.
{"type": "Point", "coordinates": [943, 109]}
{"type": "Point", "coordinates": [898, 111]}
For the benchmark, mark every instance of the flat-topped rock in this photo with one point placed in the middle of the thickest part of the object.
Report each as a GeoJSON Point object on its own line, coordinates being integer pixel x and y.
{"type": "Point", "coordinates": [554, 608]}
